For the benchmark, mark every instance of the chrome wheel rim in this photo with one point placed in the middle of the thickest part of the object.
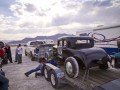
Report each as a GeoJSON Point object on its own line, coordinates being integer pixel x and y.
{"type": "Point", "coordinates": [69, 68]}
{"type": "Point", "coordinates": [53, 79]}
{"type": "Point", "coordinates": [45, 73]}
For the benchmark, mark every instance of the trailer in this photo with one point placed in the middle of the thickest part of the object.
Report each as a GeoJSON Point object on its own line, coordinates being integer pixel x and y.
{"type": "Point", "coordinates": [81, 77]}
{"type": "Point", "coordinates": [104, 36]}
{"type": "Point", "coordinates": [95, 79]}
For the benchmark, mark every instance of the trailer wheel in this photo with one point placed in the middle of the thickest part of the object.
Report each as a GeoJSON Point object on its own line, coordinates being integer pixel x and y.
{"type": "Point", "coordinates": [54, 80]}
{"type": "Point", "coordinates": [71, 67]}
{"type": "Point", "coordinates": [46, 74]}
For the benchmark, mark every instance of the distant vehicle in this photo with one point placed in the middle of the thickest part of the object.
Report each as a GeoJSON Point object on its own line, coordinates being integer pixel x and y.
{"type": "Point", "coordinates": [31, 45]}
{"type": "Point", "coordinates": [105, 37]}
{"type": "Point", "coordinates": [45, 51]}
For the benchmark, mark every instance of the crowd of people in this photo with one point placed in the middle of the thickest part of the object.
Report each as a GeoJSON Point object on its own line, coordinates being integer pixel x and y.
{"type": "Point", "coordinates": [5, 56]}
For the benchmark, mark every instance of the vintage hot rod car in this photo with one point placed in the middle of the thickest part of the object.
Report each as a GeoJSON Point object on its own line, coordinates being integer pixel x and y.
{"type": "Point", "coordinates": [79, 52]}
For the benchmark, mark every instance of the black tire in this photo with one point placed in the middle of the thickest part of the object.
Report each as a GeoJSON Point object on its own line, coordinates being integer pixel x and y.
{"type": "Point", "coordinates": [103, 66]}
{"type": "Point", "coordinates": [32, 57]}
{"type": "Point", "coordinates": [54, 81]}
{"type": "Point", "coordinates": [25, 53]}
{"type": "Point", "coordinates": [47, 55]}
{"type": "Point", "coordinates": [73, 70]}
{"type": "Point", "coordinates": [46, 74]}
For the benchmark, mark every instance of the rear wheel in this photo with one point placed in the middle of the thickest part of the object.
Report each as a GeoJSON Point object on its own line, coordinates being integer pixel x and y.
{"type": "Point", "coordinates": [32, 57]}
{"type": "Point", "coordinates": [25, 53]}
{"type": "Point", "coordinates": [47, 56]}
{"type": "Point", "coordinates": [103, 66]}
{"type": "Point", "coordinates": [71, 67]}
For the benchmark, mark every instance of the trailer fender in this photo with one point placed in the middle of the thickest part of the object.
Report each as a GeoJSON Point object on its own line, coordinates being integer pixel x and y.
{"type": "Point", "coordinates": [58, 71]}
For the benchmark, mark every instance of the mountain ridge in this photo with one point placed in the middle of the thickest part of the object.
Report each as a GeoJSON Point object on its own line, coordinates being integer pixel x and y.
{"type": "Point", "coordinates": [53, 37]}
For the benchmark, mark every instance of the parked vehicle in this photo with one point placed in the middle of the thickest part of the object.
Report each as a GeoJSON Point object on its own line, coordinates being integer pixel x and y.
{"type": "Point", "coordinates": [76, 53]}
{"type": "Point", "coordinates": [31, 46]}
{"type": "Point", "coordinates": [104, 36]}
{"type": "Point", "coordinates": [80, 52]}
{"type": "Point", "coordinates": [45, 51]}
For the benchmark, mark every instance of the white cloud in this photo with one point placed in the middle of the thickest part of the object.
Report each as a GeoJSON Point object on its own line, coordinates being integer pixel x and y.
{"type": "Point", "coordinates": [47, 17]}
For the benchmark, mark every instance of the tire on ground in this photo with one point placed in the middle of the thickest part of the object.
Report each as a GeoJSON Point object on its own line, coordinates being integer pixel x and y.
{"type": "Point", "coordinates": [46, 74]}
{"type": "Point", "coordinates": [103, 66]}
{"type": "Point", "coordinates": [54, 80]}
{"type": "Point", "coordinates": [25, 53]}
{"type": "Point", "coordinates": [71, 67]}
{"type": "Point", "coordinates": [47, 55]}
{"type": "Point", "coordinates": [32, 57]}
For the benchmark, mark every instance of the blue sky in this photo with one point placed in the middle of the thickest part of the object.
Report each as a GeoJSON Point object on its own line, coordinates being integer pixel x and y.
{"type": "Point", "coordinates": [30, 18]}
{"type": "Point", "coordinates": [4, 7]}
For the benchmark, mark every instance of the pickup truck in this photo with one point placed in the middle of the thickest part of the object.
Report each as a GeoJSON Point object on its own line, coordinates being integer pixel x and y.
{"type": "Point", "coordinates": [31, 45]}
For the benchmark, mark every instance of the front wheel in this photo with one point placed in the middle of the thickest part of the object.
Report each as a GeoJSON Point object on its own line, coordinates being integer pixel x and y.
{"type": "Point", "coordinates": [71, 67]}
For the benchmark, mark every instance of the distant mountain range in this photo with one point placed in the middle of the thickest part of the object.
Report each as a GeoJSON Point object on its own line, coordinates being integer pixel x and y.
{"type": "Point", "coordinates": [53, 37]}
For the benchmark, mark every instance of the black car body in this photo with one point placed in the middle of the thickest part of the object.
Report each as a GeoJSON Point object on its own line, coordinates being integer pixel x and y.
{"type": "Point", "coordinates": [82, 50]}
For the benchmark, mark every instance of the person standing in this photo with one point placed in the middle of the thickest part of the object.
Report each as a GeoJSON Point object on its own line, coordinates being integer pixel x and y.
{"type": "Point", "coordinates": [19, 51]}
{"type": "Point", "coordinates": [8, 52]}
{"type": "Point", "coordinates": [2, 55]}
{"type": "Point", "coordinates": [36, 52]}
{"type": "Point", "coordinates": [16, 54]}
{"type": "Point", "coordinates": [4, 82]}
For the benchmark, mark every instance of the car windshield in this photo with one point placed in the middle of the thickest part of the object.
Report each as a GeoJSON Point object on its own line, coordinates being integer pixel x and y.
{"type": "Point", "coordinates": [36, 43]}
{"type": "Point", "coordinates": [39, 42]}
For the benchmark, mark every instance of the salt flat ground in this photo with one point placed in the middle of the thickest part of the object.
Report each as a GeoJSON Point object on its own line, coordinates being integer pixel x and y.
{"type": "Point", "coordinates": [18, 81]}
